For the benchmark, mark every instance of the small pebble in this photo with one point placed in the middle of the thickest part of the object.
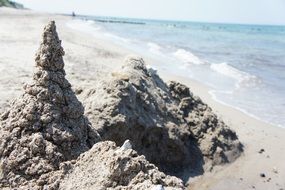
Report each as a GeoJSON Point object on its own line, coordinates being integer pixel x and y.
{"type": "Point", "coordinates": [262, 175]}
{"type": "Point", "coordinates": [261, 151]}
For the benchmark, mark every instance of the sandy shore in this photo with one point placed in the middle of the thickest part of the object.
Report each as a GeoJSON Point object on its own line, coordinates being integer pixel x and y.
{"type": "Point", "coordinates": [88, 59]}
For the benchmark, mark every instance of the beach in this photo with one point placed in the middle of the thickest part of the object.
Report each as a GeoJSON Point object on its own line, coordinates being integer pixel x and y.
{"type": "Point", "coordinates": [88, 59]}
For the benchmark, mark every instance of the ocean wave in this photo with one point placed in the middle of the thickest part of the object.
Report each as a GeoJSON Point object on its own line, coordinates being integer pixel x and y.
{"type": "Point", "coordinates": [187, 57]}
{"type": "Point", "coordinates": [90, 22]}
{"type": "Point", "coordinates": [90, 26]}
{"type": "Point", "coordinates": [243, 79]}
{"type": "Point", "coordinates": [116, 37]}
{"type": "Point", "coordinates": [85, 26]}
{"type": "Point", "coordinates": [214, 97]}
{"type": "Point", "coordinates": [154, 48]}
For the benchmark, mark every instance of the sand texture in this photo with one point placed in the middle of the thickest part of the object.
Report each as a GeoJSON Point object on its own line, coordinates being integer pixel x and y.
{"type": "Point", "coordinates": [168, 124]}
{"type": "Point", "coordinates": [45, 126]}
{"type": "Point", "coordinates": [120, 121]}
{"type": "Point", "coordinates": [107, 166]}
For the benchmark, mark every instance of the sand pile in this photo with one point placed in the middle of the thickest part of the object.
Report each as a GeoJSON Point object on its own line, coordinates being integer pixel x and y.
{"type": "Point", "coordinates": [173, 128]}
{"type": "Point", "coordinates": [45, 126]}
{"type": "Point", "coordinates": [46, 139]}
{"type": "Point", "coordinates": [106, 166]}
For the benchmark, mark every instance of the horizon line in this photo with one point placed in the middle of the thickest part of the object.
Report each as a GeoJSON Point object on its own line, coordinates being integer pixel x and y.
{"type": "Point", "coordinates": [175, 20]}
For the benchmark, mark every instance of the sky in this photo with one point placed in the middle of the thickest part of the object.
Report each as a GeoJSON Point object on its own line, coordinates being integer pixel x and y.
{"type": "Point", "coordinates": [223, 11]}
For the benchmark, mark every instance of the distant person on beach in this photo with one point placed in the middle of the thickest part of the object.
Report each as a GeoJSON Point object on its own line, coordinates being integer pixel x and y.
{"type": "Point", "coordinates": [73, 14]}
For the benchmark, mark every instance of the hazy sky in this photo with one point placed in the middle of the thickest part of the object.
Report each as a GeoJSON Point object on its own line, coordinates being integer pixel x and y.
{"type": "Point", "coordinates": [229, 11]}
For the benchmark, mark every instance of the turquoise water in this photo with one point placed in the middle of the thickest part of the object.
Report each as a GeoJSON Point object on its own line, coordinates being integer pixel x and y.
{"type": "Point", "coordinates": [243, 64]}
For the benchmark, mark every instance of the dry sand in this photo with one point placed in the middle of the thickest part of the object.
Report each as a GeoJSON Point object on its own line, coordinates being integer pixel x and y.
{"type": "Point", "coordinates": [20, 33]}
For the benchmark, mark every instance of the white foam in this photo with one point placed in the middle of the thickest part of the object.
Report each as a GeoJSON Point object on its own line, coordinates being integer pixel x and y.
{"type": "Point", "coordinates": [225, 69]}
{"type": "Point", "coordinates": [91, 21]}
{"type": "Point", "coordinates": [115, 37]}
{"type": "Point", "coordinates": [83, 26]}
{"type": "Point", "coordinates": [154, 48]}
{"type": "Point", "coordinates": [90, 26]}
{"type": "Point", "coordinates": [243, 78]}
{"type": "Point", "coordinates": [215, 98]}
{"type": "Point", "coordinates": [187, 57]}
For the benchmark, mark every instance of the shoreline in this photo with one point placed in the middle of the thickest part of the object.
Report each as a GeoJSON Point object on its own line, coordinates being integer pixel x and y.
{"type": "Point", "coordinates": [96, 57]}
{"type": "Point", "coordinates": [204, 92]}
{"type": "Point", "coordinates": [157, 60]}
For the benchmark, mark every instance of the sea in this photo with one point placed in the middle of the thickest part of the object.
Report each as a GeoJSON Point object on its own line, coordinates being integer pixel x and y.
{"type": "Point", "coordinates": [243, 65]}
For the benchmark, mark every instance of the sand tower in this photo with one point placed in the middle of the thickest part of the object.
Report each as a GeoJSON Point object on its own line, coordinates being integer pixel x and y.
{"type": "Point", "coordinates": [45, 126]}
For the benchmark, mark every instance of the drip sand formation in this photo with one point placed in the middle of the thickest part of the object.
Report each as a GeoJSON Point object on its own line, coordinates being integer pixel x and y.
{"type": "Point", "coordinates": [45, 126]}
{"type": "Point", "coordinates": [46, 141]}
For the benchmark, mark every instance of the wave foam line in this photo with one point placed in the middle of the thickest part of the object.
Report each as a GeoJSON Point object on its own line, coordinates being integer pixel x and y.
{"type": "Point", "coordinates": [243, 78]}
{"type": "Point", "coordinates": [187, 57]}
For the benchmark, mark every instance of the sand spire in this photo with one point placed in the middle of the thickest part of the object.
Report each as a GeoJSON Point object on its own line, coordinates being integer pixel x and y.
{"type": "Point", "coordinates": [45, 126]}
{"type": "Point", "coordinates": [50, 53]}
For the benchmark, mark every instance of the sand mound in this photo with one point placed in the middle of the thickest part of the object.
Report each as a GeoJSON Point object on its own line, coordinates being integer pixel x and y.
{"type": "Point", "coordinates": [166, 123]}
{"type": "Point", "coordinates": [47, 142]}
{"type": "Point", "coordinates": [44, 135]}
{"type": "Point", "coordinates": [45, 126]}
{"type": "Point", "coordinates": [217, 142]}
{"type": "Point", "coordinates": [106, 166]}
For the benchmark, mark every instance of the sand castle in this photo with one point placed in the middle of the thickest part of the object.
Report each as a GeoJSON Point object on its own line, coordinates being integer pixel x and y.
{"type": "Point", "coordinates": [45, 126]}
{"type": "Point", "coordinates": [48, 143]}
{"type": "Point", "coordinates": [173, 128]}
